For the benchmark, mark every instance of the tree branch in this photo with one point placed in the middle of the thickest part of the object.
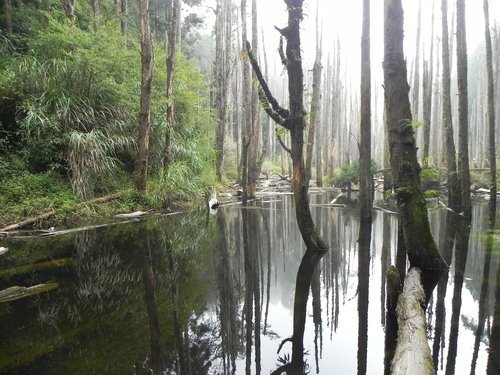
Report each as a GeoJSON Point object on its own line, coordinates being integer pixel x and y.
{"type": "Point", "coordinates": [284, 113]}
{"type": "Point", "coordinates": [274, 115]}
{"type": "Point", "coordinates": [282, 143]}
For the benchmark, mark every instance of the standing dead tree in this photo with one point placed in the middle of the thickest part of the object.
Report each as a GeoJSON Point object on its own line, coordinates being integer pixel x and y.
{"type": "Point", "coordinates": [491, 106]}
{"type": "Point", "coordinates": [293, 120]}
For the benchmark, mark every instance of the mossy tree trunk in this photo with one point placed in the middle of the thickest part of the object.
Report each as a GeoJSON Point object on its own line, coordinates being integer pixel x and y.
{"type": "Point", "coordinates": [419, 243]}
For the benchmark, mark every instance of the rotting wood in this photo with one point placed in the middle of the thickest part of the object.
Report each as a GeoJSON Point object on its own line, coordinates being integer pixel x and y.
{"type": "Point", "coordinates": [413, 354]}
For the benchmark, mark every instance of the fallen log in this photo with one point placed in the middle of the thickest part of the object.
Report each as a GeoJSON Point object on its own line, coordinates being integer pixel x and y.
{"type": "Point", "coordinates": [132, 215]}
{"type": "Point", "coordinates": [27, 221]}
{"type": "Point", "coordinates": [413, 354]}
{"type": "Point", "coordinates": [17, 292]}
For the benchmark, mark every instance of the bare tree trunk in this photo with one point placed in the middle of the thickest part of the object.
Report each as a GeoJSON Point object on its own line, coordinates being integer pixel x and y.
{"type": "Point", "coordinates": [427, 98]}
{"type": "Point", "coordinates": [416, 73]}
{"type": "Point", "coordinates": [95, 10]}
{"type": "Point", "coordinates": [254, 130]}
{"type": "Point", "coordinates": [315, 104]}
{"type": "Point", "coordinates": [124, 19]}
{"type": "Point", "coordinates": [173, 17]}
{"type": "Point", "coordinates": [145, 106]}
{"type": "Point", "coordinates": [491, 106]}
{"type": "Point", "coordinates": [7, 8]}
{"type": "Point", "coordinates": [454, 195]}
{"type": "Point", "coordinates": [293, 120]}
{"type": "Point", "coordinates": [365, 175]}
{"type": "Point", "coordinates": [421, 248]}
{"type": "Point", "coordinates": [221, 76]}
{"type": "Point", "coordinates": [463, 111]}
{"type": "Point", "coordinates": [246, 103]}
{"type": "Point", "coordinates": [69, 9]}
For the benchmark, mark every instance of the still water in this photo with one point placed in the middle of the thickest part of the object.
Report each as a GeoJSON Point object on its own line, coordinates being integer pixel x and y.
{"type": "Point", "coordinates": [214, 294]}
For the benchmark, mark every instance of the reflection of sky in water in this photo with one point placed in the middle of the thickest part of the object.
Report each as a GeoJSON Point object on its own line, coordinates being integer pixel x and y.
{"type": "Point", "coordinates": [339, 351]}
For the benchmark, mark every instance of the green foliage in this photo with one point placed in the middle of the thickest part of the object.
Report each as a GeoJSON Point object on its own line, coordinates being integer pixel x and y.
{"type": "Point", "coordinates": [431, 193]}
{"type": "Point", "coordinates": [349, 174]}
{"type": "Point", "coordinates": [73, 105]}
{"type": "Point", "coordinates": [429, 177]}
{"type": "Point", "coordinates": [30, 194]}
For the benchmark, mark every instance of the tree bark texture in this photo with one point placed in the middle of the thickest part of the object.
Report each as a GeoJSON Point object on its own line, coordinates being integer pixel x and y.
{"type": "Point", "coordinates": [315, 108]}
{"type": "Point", "coordinates": [427, 96]}
{"type": "Point", "coordinates": [463, 111]}
{"type": "Point", "coordinates": [173, 18]}
{"type": "Point", "coordinates": [413, 354]}
{"type": "Point", "coordinates": [222, 76]}
{"type": "Point", "coordinates": [365, 176]}
{"type": "Point", "coordinates": [254, 130]}
{"type": "Point", "coordinates": [145, 105]}
{"type": "Point", "coordinates": [454, 195]}
{"type": "Point", "coordinates": [491, 106]}
{"type": "Point", "coordinates": [246, 104]}
{"type": "Point", "coordinates": [124, 18]}
{"type": "Point", "coordinates": [69, 9]}
{"type": "Point", "coordinates": [95, 10]}
{"type": "Point", "coordinates": [420, 246]}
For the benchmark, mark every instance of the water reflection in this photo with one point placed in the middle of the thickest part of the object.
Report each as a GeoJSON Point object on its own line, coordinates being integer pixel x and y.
{"type": "Point", "coordinates": [217, 296]}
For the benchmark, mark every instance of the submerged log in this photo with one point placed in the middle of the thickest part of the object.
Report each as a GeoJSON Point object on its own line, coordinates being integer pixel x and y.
{"type": "Point", "coordinates": [17, 292]}
{"type": "Point", "coordinates": [35, 267]}
{"type": "Point", "coordinates": [413, 354]}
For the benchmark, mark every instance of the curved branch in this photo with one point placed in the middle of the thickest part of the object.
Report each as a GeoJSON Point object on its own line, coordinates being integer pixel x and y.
{"type": "Point", "coordinates": [281, 51]}
{"type": "Point", "coordinates": [284, 113]}
{"type": "Point", "coordinates": [274, 115]}
{"type": "Point", "coordinates": [282, 143]}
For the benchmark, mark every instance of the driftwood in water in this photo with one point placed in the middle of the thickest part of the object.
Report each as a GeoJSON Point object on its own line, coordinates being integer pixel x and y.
{"type": "Point", "coordinates": [27, 221]}
{"type": "Point", "coordinates": [17, 292]}
{"type": "Point", "coordinates": [132, 215]}
{"type": "Point", "coordinates": [413, 354]}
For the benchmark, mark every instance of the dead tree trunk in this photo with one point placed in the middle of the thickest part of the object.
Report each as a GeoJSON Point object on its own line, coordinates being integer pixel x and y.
{"type": "Point", "coordinates": [454, 195]}
{"type": "Point", "coordinates": [463, 111]}
{"type": "Point", "coordinates": [365, 175]}
{"type": "Point", "coordinates": [491, 106]}
{"type": "Point", "coordinates": [315, 106]}
{"type": "Point", "coordinates": [246, 103]}
{"type": "Point", "coordinates": [412, 350]}
{"type": "Point", "coordinates": [421, 248]}
{"type": "Point", "coordinates": [221, 77]}
{"type": "Point", "coordinates": [293, 119]}
{"type": "Point", "coordinates": [124, 19]}
{"type": "Point", "coordinates": [416, 73]}
{"type": "Point", "coordinates": [145, 106]}
{"type": "Point", "coordinates": [69, 9]}
{"type": "Point", "coordinates": [254, 130]}
{"type": "Point", "coordinates": [173, 18]}
{"type": "Point", "coordinates": [95, 10]}
{"type": "Point", "coordinates": [427, 98]}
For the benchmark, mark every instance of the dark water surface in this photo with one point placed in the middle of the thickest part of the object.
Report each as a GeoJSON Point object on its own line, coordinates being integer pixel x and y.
{"type": "Point", "coordinates": [214, 294]}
